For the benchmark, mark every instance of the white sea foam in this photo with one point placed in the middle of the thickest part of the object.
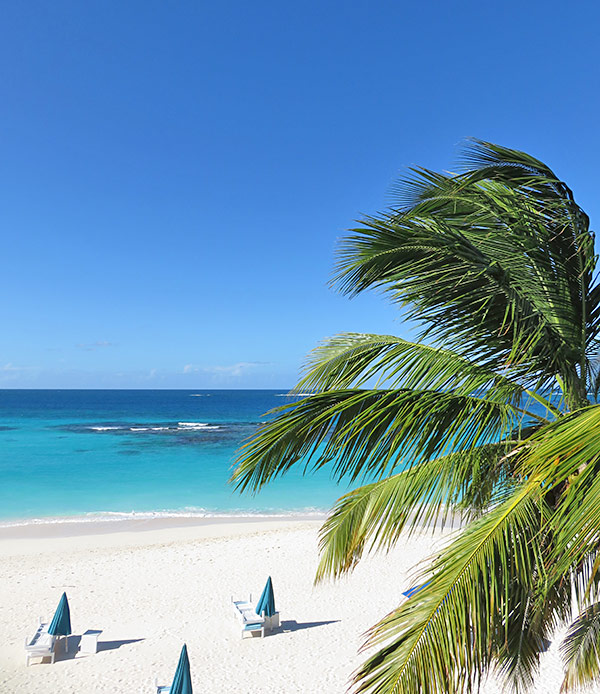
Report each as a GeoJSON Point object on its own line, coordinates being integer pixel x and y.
{"type": "Point", "coordinates": [150, 429]}
{"type": "Point", "coordinates": [204, 428]}
{"type": "Point", "coordinates": [192, 512]}
{"type": "Point", "coordinates": [181, 426]}
{"type": "Point", "coordinates": [195, 426]}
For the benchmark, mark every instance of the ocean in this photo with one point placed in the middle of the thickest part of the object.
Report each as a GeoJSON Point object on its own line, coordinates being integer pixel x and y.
{"type": "Point", "coordinates": [114, 454]}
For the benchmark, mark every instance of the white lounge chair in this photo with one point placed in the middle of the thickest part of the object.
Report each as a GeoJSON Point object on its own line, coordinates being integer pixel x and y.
{"type": "Point", "coordinates": [250, 621]}
{"type": "Point", "coordinates": [165, 689]}
{"type": "Point", "coordinates": [41, 644]}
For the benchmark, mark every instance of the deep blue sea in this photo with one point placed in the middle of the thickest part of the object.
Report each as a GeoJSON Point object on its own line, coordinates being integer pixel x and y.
{"type": "Point", "coordinates": [102, 453]}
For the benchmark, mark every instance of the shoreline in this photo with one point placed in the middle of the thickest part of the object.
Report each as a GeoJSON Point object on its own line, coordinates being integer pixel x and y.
{"type": "Point", "coordinates": [38, 536]}
{"type": "Point", "coordinates": [101, 522]}
{"type": "Point", "coordinates": [53, 538]}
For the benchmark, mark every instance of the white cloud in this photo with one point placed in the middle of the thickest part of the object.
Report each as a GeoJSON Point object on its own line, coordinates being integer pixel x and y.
{"type": "Point", "coordinates": [12, 368]}
{"type": "Point", "coordinates": [11, 374]}
{"type": "Point", "coordinates": [228, 370]}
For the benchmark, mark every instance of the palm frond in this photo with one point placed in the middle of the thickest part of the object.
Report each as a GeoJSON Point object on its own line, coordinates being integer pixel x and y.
{"type": "Point", "coordinates": [581, 650]}
{"type": "Point", "coordinates": [443, 639]}
{"type": "Point", "coordinates": [567, 453]}
{"type": "Point", "coordinates": [369, 432]}
{"type": "Point", "coordinates": [573, 245]}
{"type": "Point", "coordinates": [374, 516]}
{"type": "Point", "coordinates": [496, 269]}
{"type": "Point", "coordinates": [351, 360]}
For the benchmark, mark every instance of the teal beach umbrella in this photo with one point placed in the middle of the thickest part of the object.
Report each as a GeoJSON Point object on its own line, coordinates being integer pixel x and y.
{"type": "Point", "coordinates": [61, 622]}
{"type": "Point", "coordinates": [182, 682]}
{"type": "Point", "coordinates": [266, 602]}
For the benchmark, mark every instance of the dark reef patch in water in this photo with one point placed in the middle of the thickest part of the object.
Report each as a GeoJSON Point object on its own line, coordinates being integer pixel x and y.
{"type": "Point", "coordinates": [168, 433]}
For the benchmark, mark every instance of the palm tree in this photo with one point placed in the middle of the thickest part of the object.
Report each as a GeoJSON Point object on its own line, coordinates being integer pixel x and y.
{"type": "Point", "coordinates": [488, 414]}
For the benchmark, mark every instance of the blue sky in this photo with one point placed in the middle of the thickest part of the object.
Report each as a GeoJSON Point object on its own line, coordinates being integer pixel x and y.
{"type": "Point", "coordinates": [176, 176]}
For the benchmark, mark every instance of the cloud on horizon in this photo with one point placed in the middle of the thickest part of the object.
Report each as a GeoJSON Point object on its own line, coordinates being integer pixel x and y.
{"type": "Point", "coordinates": [237, 369]}
{"type": "Point", "coordinates": [11, 374]}
{"type": "Point", "coordinates": [243, 374]}
{"type": "Point", "coordinates": [11, 368]}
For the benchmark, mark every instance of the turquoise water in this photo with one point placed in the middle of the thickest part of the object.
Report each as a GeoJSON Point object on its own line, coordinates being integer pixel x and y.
{"type": "Point", "coordinates": [104, 453]}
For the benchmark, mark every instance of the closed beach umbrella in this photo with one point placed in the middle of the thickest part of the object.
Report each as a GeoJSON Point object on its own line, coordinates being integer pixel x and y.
{"type": "Point", "coordinates": [61, 622]}
{"type": "Point", "coordinates": [182, 682]}
{"type": "Point", "coordinates": [266, 602]}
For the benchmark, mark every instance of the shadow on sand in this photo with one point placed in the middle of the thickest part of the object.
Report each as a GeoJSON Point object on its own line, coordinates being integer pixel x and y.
{"type": "Point", "coordinates": [112, 645]}
{"type": "Point", "coordinates": [293, 625]}
{"type": "Point", "coordinates": [73, 647]}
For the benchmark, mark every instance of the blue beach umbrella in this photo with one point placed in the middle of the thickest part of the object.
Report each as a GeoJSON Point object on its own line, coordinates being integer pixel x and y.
{"type": "Point", "coordinates": [266, 602]}
{"type": "Point", "coordinates": [182, 682]}
{"type": "Point", "coordinates": [61, 622]}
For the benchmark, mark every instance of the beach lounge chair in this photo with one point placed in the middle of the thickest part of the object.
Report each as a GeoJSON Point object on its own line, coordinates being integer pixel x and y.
{"type": "Point", "coordinates": [251, 622]}
{"type": "Point", "coordinates": [41, 644]}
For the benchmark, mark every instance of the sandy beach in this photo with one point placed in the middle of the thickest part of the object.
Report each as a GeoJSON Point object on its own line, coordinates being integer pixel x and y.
{"type": "Point", "coordinates": [151, 585]}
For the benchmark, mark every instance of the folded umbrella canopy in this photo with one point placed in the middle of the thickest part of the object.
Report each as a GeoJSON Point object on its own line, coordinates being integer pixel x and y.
{"type": "Point", "coordinates": [61, 622]}
{"type": "Point", "coordinates": [266, 602]}
{"type": "Point", "coordinates": [182, 682]}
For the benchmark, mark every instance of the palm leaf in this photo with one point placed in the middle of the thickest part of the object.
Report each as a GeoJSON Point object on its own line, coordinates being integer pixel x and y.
{"type": "Point", "coordinates": [351, 360]}
{"type": "Point", "coordinates": [369, 432]}
{"type": "Point", "coordinates": [581, 650]}
{"type": "Point", "coordinates": [568, 454]}
{"type": "Point", "coordinates": [374, 516]}
{"type": "Point", "coordinates": [476, 602]}
{"type": "Point", "coordinates": [495, 269]}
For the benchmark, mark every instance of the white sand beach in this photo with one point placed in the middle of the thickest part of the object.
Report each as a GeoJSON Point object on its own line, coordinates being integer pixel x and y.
{"type": "Point", "coordinates": [150, 586]}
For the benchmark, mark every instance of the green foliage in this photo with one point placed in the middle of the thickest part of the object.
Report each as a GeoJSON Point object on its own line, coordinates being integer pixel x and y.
{"type": "Point", "coordinates": [370, 432]}
{"type": "Point", "coordinates": [581, 650]}
{"type": "Point", "coordinates": [445, 637]}
{"type": "Point", "coordinates": [486, 415]}
{"type": "Point", "coordinates": [375, 515]}
{"type": "Point", "coordinates": [498, 262]}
